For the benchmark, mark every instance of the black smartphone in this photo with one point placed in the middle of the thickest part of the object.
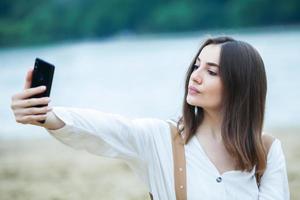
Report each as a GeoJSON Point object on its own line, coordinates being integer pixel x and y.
{"type": "Point", "coordinates": [42, 75]}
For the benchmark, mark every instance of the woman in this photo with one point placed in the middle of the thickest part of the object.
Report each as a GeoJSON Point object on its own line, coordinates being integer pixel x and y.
{"type": "Point", "coordinates": [227, 157]}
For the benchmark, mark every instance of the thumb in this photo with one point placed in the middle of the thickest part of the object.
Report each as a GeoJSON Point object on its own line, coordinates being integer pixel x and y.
{"type": "Point", "coordinates": [28, 78]}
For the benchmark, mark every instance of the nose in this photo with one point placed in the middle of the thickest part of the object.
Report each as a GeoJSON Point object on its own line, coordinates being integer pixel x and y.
{"type": "Point", "coordinates": [197, 76]}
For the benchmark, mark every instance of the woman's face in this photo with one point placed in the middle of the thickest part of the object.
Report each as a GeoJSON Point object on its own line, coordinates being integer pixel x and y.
{"type": "Point", "coordinates": [205, 78]}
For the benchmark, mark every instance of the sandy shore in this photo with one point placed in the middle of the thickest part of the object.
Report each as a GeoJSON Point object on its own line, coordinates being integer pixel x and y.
{"type": "Point", "coordinates": [46, 169]}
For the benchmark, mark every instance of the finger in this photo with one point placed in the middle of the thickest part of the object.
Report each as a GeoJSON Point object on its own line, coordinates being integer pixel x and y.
{"type": "Point", "coordinates": [34, 111]}
{"type": "Point", "coordinates": [28, 78]}
{"type": "Point", "coordinates": [30, 119]}
{"type": "Point", "coordinates": [30, 92]}
{"type": "Point", "coordinates": [30, 102]}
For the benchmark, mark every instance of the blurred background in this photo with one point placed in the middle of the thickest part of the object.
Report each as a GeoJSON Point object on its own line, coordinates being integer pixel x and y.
{"type": "Point", "coordinates": [130, 57]}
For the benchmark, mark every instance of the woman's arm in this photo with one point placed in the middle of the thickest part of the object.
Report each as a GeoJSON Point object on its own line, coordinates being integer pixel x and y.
{"type": "Point", "coordinates": [100, 133]}
{"type": "Point", "coordinates": [107, 134]}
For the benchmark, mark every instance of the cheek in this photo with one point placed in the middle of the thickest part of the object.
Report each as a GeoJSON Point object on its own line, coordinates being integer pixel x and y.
{"type": "Point", "coordinates": [214, 91]}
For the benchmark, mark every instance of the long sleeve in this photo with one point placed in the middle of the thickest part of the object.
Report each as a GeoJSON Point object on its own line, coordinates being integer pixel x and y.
{"type": "Point", "coordinates": [106, 134]}
{"type": "Point", "coordinates": [274, 182]}
{"type": "Point", "coordinates": [110, 135]}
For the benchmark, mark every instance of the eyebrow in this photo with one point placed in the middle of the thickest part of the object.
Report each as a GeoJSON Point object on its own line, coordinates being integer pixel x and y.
{"type": "Point", "coordinates": [209, 63]}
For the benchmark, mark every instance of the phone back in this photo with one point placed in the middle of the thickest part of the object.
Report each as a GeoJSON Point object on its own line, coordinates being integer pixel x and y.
{"type": "Point", "coordinates": [42, 75]}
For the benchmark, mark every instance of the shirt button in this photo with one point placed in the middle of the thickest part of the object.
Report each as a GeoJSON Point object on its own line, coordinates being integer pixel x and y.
{"type": "Point", "coordinates": [219, 179]}
{"type": "Point", "coordinates": [181, 187]}
{"type": "Point", "coordinates": [180, 169]}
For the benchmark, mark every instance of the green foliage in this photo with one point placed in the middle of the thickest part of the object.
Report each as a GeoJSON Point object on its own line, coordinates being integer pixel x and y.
{"type": "Point", "coordinates": [40, 21]}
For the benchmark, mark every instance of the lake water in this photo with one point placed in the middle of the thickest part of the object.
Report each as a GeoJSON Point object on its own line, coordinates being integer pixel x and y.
{"type": "Point", "coordinates": [143, 76]}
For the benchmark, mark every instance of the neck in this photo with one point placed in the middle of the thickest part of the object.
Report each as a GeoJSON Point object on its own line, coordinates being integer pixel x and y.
{"type": "Point", "coordinates": [211, 125]}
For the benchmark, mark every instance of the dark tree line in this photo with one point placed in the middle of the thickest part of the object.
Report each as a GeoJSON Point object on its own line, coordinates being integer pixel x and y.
{"type": "Point", "coordinates": [24, 22]}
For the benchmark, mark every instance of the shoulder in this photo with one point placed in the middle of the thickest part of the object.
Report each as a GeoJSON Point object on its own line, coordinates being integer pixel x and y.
{"type": "Point", "coordinates": [273, 146]}
{"type": "Point", "coordinates": [276, 163]}
{"type": "Point", "coordinates": [268, 140]}
{"type": "Point", "coordinates": [154, 126]}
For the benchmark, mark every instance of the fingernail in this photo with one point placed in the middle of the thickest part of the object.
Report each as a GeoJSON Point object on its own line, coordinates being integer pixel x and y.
{"type": "Point", "coordinates": [43, 87]}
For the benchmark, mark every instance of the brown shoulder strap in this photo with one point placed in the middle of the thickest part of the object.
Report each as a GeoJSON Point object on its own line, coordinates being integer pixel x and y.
{"type": "Point", "coordinates": [179, 164]}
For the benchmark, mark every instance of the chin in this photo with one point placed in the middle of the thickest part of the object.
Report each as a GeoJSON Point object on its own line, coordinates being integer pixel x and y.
{"type": "Point", "coordinates": [192, 103]}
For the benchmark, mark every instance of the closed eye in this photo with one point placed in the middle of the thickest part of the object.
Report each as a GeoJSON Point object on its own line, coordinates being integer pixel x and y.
{"type": "Point", "coordinates": [212, 73]}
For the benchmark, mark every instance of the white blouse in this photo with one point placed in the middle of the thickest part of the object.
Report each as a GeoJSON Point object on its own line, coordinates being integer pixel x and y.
{"type": "Point", "coordinates": [145, 145]}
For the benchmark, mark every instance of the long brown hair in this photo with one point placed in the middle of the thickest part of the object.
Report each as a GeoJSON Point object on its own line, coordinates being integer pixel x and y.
{"type": "Point", "coordinates": [244, 83]}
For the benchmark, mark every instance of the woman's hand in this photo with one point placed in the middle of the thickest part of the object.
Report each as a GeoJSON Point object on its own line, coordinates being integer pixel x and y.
{"type": "Point", "coordinates": [25, 110]}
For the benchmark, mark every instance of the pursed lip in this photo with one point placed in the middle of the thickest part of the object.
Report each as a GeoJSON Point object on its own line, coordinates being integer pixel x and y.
{"type": "Point", "coordinates": [194, 89]}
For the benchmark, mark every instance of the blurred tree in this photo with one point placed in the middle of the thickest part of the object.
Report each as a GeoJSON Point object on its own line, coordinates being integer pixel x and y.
{"type": "Point", "coordinates": [44, 21]}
